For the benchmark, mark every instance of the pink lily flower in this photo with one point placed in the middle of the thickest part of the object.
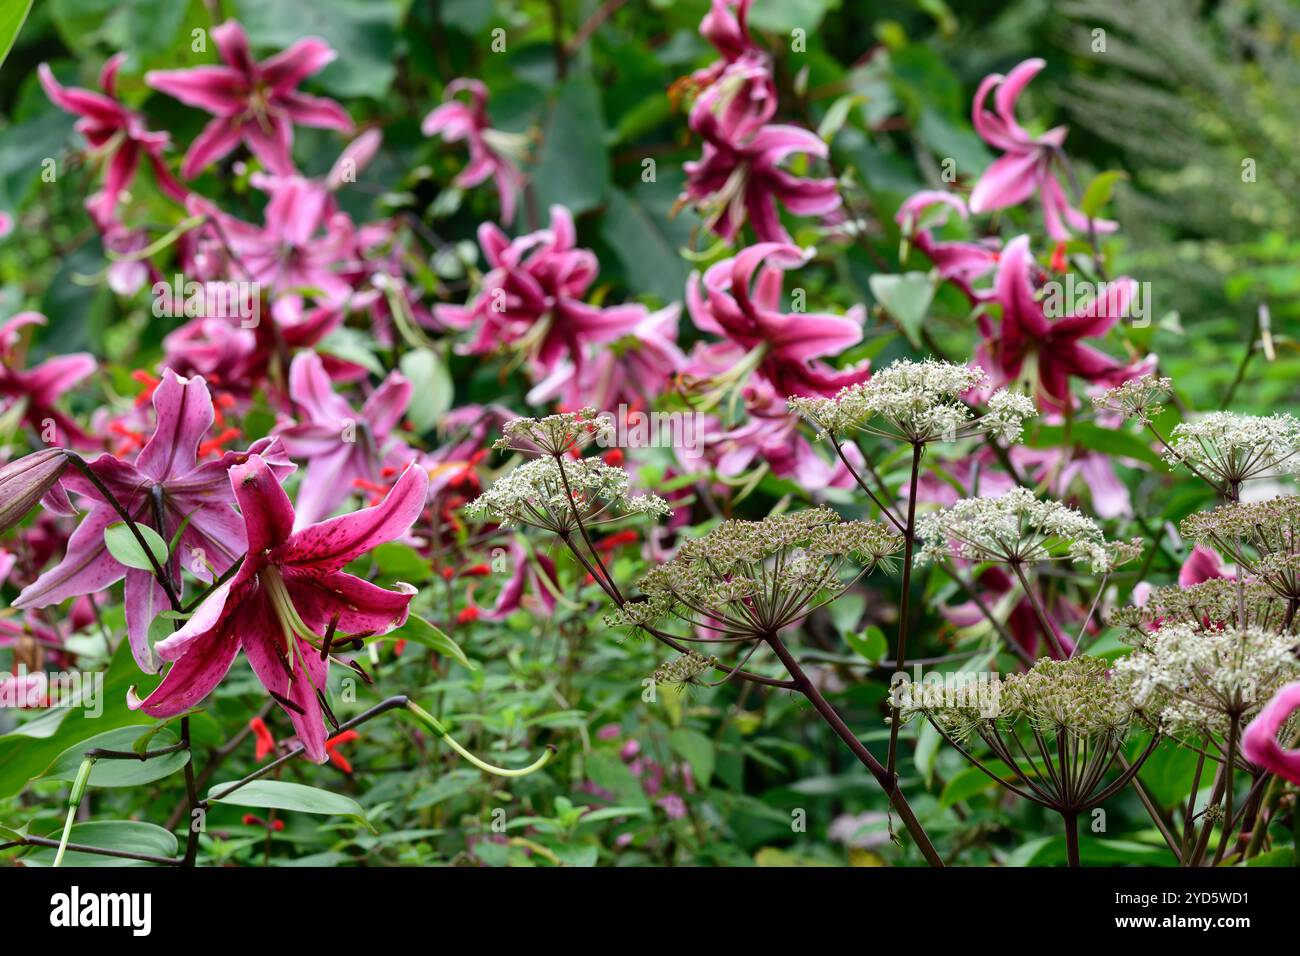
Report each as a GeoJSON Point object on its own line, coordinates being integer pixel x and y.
{"type": "Point", "coordinates": [287, 600]}
{"type": "Point", "coordinates": [532, 299]}
{"type": "Point", "coordinates": [254, 103]}
{"type": "Point", "coordinates": [961, 263]}
{"type": "Point", "coordinates": [345, 449]}
{"type": "Point", "coordinates": [732, 181]}
{"type": "Point", "coordinates": [633, 370]}
{"type": "Point", "coordinates": [6, 224]}
{"type": "Point", "coordinates": [115, 134]}
{"type": "Point", "coordinates": [728, 31]}
{"type": "Point", "coordinates": [1049, 352]}
{"type": "Point", "coordinates": [526, 570]}
{"type": "Point", "coordinates": [1260, 743]}
{"type": "Point", "coordinates": [491, 152]}
{"type": "Point", "coordinates": [166, 488]}
{"type": "Point", "coordinates": [1026, 164]}
{"type": "Point", "coordinates": [731, 303]}
{"type": "Point", "coordinates": [39, 388]}
{"type": "Point", "coordinates": [770, 436]}
{"type": "Point", "coordinates": [303, 244]}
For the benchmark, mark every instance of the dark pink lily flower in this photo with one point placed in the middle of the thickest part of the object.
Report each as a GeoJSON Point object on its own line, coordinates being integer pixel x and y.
{"type": "Point", "coordinates": [961, 263]}
{"type": "Point", "coordinates": [39, 388]}
{"type": "Point", "coordinates": [290, 593]}
{"type": "Point", "coordinates": [526, 570]}
{"type": "Point", "coordinates": [304, 244]}
{"type": "Point", "coordinates": [1025, 166]}
{"type": "Point", "coordinates": [1026, 344]}
{"type": "Point", "coordinates": [1260, 743]}
{"type": "Point", "coordinates": [114, 134]}
{"type": "Point", "coordinates": [491, 152]}
{"type": "Point", "coordinates": [165, 479]}
{"type": "Point", "coordinates": [254, 103]}
{"type": "Point", "coordinates": [6, 224]}
{"type": "Point", "coordinates": [728, 30]}
{"type": "Point", "coordinates": [732, 181]}
{"type": "Point", "coordinates": [633, 370]}
{"type": "Point", "coordinates": [346, 450]}
{"type": "Point", "coordinates": [737, 103]}
{"type": "Point", "coordinates": [532, 299]}
{"type": "Point", "coordinates": [739, 299]}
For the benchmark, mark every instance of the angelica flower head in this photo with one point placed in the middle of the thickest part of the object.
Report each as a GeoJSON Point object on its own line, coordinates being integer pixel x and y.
{"type": "Point", "coordinates": [1074, 698]}
{"type": "Point", "coordinates": [553, 493]}
{"type": "Point", "coordinates": [747, 579]}
{"type": "Point", "coordinates": [686, 668]}
{"type": "Point", "coordinates": [1229, 448]}
{"type": "Point", "coordinates": [1210, 604]}
{"type": "Point", "coordinates": [1017, 528]}
{"type": "Point", "coordinates": [555, 434]}
{"type": "Point", "coordinates": [1137, 399]}
{"type": "Point", "coordinates": [1263, 537]}
{"type": "Point", "coordinates": [1195, 680]}
{"type": "Point", "coordinates": [918, 402]}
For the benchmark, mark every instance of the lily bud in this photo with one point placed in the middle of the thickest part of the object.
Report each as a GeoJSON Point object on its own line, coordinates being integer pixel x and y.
{"type": "Point", "coordinates": [25, 481]}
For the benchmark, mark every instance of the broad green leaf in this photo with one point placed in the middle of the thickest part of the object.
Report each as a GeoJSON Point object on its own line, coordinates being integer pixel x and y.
{"type": "Point", "coordinates": [13, 13]}
{"type": "Point", "coordinates": [871, 644]}
{"type": "Point", "coordinates": [420, 631]}
{"type": "Point", "coordinates": [1099, 192]}
{"type": "Point", "coordinates": [30, 748]}
{"type": "Point", "coordinates": [637, 227]}
{"type": "Point", "coordinates": [609, 773]}
{"type": "Point", "coordinates": [696, 749]}
{"type": "Point", "coordinates": [364, 32]}
{"type": "Point", "coordinates": [432, 390]}
{"type": "Point", "coordinates": [906, 298]}
{"type": "Point", "coordinates": [1280, 856]}
{"type": "Point", "coordinates": [130, 835]}
{"type": "Point", "coordinates": [573, 165]}
{"type": "Point", "coordinates": [120, 773]}
{"type": "Point", "coordinates": [282, 795]}
{"type": "Point", "coordinates": [1118, 443]}
{"type": "Point", "coordinates": [123, 546]}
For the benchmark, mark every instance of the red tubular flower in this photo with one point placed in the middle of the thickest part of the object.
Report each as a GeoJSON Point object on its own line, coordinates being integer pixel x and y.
{"type": "Point", "coordinates": [266, 744]}
{"type": "Point", "coordinates": [332, 745]}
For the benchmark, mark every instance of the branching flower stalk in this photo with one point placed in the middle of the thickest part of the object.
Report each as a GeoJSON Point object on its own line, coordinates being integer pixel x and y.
{"type": "Point", "coordinates": [917, 403]}
{"type": "Point", "coordinates": [1060, 728]}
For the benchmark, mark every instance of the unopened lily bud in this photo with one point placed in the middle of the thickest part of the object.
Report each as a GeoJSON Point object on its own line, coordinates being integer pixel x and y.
{"type": "Point", "coordinates": [25, 481]}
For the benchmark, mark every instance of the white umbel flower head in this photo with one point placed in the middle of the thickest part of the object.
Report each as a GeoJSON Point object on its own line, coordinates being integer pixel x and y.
{"type": "Point", "coordinates": [1196, 679]}
{"type": "Point", "coordinates": [544, 493]}
{"type": "Point", "coordinates": [1230, 448]}
{"type": "Point", "coordinates": [918, 402]}
{"type": "Point", "coordinates": [1017, 528]}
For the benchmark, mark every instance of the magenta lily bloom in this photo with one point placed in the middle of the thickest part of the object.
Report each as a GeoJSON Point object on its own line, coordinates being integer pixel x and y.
{"type": "Point", "coordinates": [345, 449]}
{"type": "Point", "coordinates": [1049, 352]}
{"type": "Point", "coordinates": [115, 134]}
{"type": "Point", "coordinates": [39, 388]}
{"type": "Point", "coordinates": [532, 299]}
{"type": "Point", "coordinates": [1025, 167]}
{"type": "Point", "coordinates": [632, 370]}
{"type": "Point", "coordinates": [961, 263]}
{"type": "Point", "coordinates": [254, 103]}
{"type": "Point", "coordinates": [290, 593]}
{"type": "Point", "coordinates": [165, 479]}
{"type": "Point", "coordinates": [491, 152]}
{"type": "Point", "coordinates": [303, 245]}
{"type": "Point", "coordinates": [1260, 743]}
{"type": "Point", "coordinates": [731, 303]}
{"type": "Point", "coordinates": [732, 181]}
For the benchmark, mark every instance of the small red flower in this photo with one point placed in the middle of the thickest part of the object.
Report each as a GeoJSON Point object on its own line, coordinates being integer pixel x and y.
{"type": "Point", "coordinates": [332, 745]}
{"type": "Point", "coordinates": [266, 744]}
